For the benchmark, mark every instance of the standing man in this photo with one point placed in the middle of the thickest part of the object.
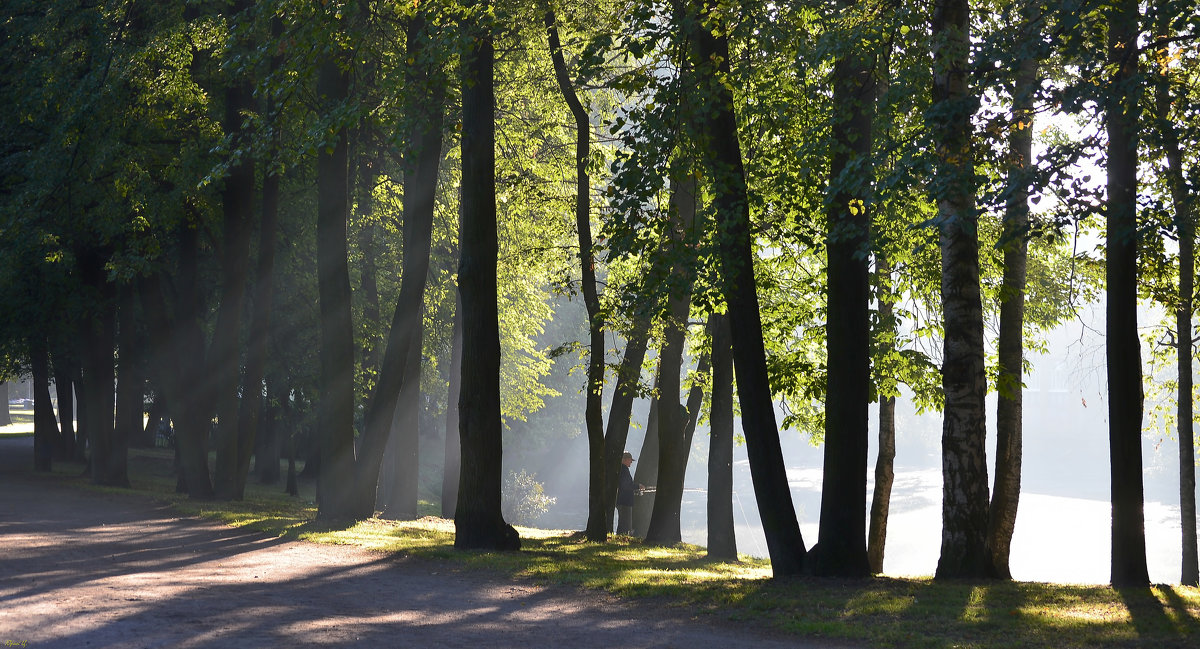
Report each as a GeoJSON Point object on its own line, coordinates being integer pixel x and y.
{"type": "Point", "coordinates": [625, 487]}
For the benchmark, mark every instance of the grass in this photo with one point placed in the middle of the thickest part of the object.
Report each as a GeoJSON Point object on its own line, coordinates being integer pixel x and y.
{"type": "Point", "coordinates": [22, 422]}
{"type": "Point", "coordinates": [880, 612]}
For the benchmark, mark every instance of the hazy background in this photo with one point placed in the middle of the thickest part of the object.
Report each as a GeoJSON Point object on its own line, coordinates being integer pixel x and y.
{"type": "Point", "coordinates": [1063, 526]}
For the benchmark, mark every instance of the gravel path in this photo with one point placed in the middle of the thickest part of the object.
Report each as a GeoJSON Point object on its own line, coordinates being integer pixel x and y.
{"type": "Point", "coordinates": [83, 569]}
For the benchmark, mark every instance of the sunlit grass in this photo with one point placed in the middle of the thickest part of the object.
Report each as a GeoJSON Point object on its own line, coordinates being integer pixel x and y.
{"type": "Point", "coordinates": [880, 612]}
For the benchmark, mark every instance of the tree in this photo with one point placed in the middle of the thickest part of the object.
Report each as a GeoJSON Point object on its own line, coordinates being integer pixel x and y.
{"type": "Point", "coordinates": [262, 302]}
{"type": "Point", "coordinates": [1123, 349]}
{"type": "Point", "coordinates": [1014, 241]}
{"type": "Point", "coordinates": [620, 410]}
{"type": "Point", "coordinates": [237, 204]}
{"type": "Point", "coordinates": [1182, 201]}
{"type": "Point", "coordinates": [478, 521]}
{"type": "Point", "coordinates": [785, 545]}
{"type": "Point", "coordinates": [5, 414]}
{"type": "Point", "coordinates": [336, 481]}
{"type": "Point", "coordinates": [45, 428]}
{"type": "Point", "coordinates": [597, 527]}
{"type": "Point", "coordinates": [722, 543]}
{"type": "Point", "coordinates": [451, 472]}
{"type": "Point", "coordinates": [964, 467]}
{"type": "Point", "coordinates": [663, 528]}
{"type": "Point", "coordinates": [842, 536]}
{"type": "Point", "coordinates": [881, 497]}
{"type": "Point", "coordinates": [400, 371]}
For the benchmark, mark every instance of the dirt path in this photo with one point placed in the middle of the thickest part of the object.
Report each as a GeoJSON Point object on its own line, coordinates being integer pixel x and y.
{"type": "Point", "coordinates": [82, 569]}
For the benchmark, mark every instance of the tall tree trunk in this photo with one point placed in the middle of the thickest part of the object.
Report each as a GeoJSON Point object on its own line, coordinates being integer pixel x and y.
{"type": "Point", "coordinates": [253, 392]}
{"type": "Point", "coordinates": [785, 545]}
{"type": "Point", "coordinates": [131, 377]}
{"type": "Point", "coordinates": [400, 372]}
{"type": "Point", "coordinates": [881, 498]}
{"type": "Point", "coordinates": [722, 541]}
{"type": "Point", "coordinates": [664, 519]}
{"type": "Point", "coordinates": [180, 338]}
{"type": "Point", "coordinates": [45, 427]}
{"type": "Point", "coordinates": [597, 528]}
{"type": "Point", "coordinates": [5, 415]}
{"type": "Point", "coordinates": [620, 410]}
{"type": "Point", "coordinates": [964, 552]}
{"type": "Point", "coordinates": [269, 443]}
{"type": "Point", "coordinates": [237, 200]}
{"type": "Point", "coordinates": [842, 534]}
{"type": "Point", "coordinates": [647, 467]}
{"type": "Point", "coordinates": [478, 520]}
{"type": "Point", "coordinates": [108, 446]}
{"type": "Point", "coordinates": [450, 469]}
{"type": "Point", "coordinates": [1121, 342]}
{"type": "Point", "coordinates": [335, 411]}
{"type": "Point", "coordinates": [1185, 225]}
{"type": "Point", "coordinates": [368, 245]}
{"type": "Point", "coordinates": [69, 445]}
{"type": "Point", "coordinates": [1010, 347]}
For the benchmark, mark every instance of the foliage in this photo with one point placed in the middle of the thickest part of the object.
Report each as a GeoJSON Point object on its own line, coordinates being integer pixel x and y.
{"type": "Point", "coordinates": [524, 499]}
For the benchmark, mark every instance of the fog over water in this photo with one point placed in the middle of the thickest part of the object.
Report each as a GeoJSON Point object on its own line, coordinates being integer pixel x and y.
{"type": "Point", "coordinates": [1064, 520]}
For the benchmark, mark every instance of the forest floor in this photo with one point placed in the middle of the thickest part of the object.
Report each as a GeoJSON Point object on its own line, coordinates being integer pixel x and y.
{"type": "Point", "coordinates": [87, 568]}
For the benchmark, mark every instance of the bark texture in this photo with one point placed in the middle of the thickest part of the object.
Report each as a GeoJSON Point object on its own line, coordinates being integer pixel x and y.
{"type": "Point", "coordinates": [785, 545]}
{"type": "Point", "coordinates": [842, 535]}
{"type": "Point", "coordinates": [597, 529]}
{"type": "Point", "coordinates": [965, 500]}
{"type": "Point", "coordinates": [397, 392]}
{"type": "Point", "coordinates": [663, 528]}
{"type": "Point", "coordinates": [1185, 225]}
{"type": "Point", "coordinates": [1014, 240]}
{"type": "Point", "coordinates": [722, 544]}
{"type": "Point", "coordinates": [335, 411]}
{"type": "Point", "coordinates": [237, 198]}
{"type": "Point", "coordinates": [1122, 346]}
{"type": "Point", "coordinates": [478, 520]}
{"type": "Point", "coordinates": [620, 410]}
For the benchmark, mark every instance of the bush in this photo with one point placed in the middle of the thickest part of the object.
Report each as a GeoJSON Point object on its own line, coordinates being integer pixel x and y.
{"type": "Point", "coordinates": [524, 499]}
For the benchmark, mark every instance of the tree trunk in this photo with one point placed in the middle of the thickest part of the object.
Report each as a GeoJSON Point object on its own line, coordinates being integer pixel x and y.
{"type": "Point", "coordinates": [5, 415]}
{"type": "Point", "coordinates": [597, 528]}
{"type": "Point", "coordinates": [400, 373]}
{"type": "Point", "coordinates": [478, 521]}
{"type": "Point", "coordinates": [964, 552]}
{"type": "Point", "coordinates": [155, 417]}
{"type": "Point", "coordinates": [253, 392]}
{"type": "Point", "coordinates": [335, 411]}
{"type": "Point", "coordinates": [647, 467]}
{"type": "Point", "coordinates": [1010, 346]}
{"type": "Point", "coordinates": [842, 536]}
{"type": "Point", "coordinates": [1185, 225]}
{"type": "Point", "coordinates": [881, 499]}
{"type": "Point", "coordinates": [237, 198]}
{"type": "Point", "coordinates": [785, 545]}
{"type": "Point", "coordinates": [180, 338]}
{"type": "Point", "coordinates": [69, 447]}
{"type": "Point", "coordinates": [672, 451]}
{"type": "Point", "coordinates": [1121, 342]}
{"type": "Point", "coordinates": [450, 469]}
{"type": "Point", "coordinates": [131, 376]}
{"type": "Point", "coordinates": [722, 541]}
{"type": "Point", "coordinates": [269, 443]}
{"type": "Point", "coordinates": [108, 446]}
{"type": "Point", "coordinates": [621, 408]}
{"type": "Point", "coordinates": [45, 427]}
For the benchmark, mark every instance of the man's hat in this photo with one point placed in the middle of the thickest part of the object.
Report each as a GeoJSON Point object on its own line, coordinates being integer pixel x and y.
{"type": "Point", "coordinates": [627, 456]}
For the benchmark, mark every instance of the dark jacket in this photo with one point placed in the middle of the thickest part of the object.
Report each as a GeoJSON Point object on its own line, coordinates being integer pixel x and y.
{"type": "Point", "coordinates": [624, 488]}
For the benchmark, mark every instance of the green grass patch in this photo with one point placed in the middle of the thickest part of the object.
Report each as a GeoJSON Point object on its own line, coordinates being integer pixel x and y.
{"type": "Point", "coordinates": [880, 612]}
